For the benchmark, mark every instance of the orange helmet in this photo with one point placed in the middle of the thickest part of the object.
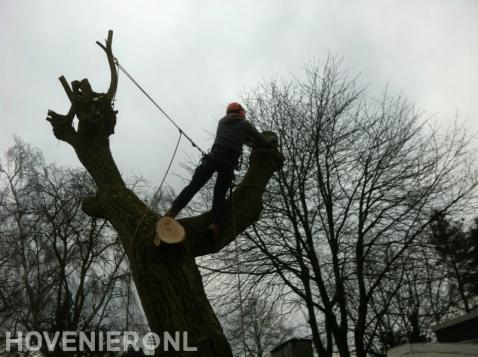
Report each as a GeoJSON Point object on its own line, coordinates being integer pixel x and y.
{"type": "Point", "coordinates": [234, 107]}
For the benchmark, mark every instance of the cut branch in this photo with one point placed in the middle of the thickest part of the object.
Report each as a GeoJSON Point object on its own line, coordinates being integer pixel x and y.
{"type": "Point", "coordinates": [92, 207]}
{"type": "Point", "coordinates": [67, 89]}
{"type": "Point", "coordinates": [244, 206]}
{"type": "Point", "coordinates": [169, 231]}
{"type": "Point", "coordinates": [63, 125]}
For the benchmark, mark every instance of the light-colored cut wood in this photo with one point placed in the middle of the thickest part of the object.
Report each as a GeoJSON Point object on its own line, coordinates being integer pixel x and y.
{"type": "Point", "coordinates": [169, 231]}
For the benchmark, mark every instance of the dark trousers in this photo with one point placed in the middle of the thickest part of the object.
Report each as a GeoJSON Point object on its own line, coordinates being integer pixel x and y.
{"type": "Point", "coordinates": [207, 167]}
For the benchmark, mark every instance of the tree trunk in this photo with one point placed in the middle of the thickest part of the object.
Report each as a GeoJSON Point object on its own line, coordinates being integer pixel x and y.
{"type": "Point", "coordinates": [167, 278]}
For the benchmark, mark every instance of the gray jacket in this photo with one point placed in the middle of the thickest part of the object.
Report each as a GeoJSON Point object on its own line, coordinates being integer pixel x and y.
{"type": "Point", "coordinates": [233, 131]}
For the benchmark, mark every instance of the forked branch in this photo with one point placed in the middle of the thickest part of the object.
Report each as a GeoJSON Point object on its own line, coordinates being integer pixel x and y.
{"type": "Point", "coordinates": [63, 125]}
{"type": "Point", "coordinates": [111, 61]}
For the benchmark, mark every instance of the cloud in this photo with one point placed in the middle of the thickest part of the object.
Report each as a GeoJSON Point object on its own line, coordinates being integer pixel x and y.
{"type": "Point", "coordinates": [194, 57]}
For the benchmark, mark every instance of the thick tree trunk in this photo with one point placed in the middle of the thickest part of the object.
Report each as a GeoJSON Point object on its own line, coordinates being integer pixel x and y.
{"type": "Point", "coordinates": [167, 278]}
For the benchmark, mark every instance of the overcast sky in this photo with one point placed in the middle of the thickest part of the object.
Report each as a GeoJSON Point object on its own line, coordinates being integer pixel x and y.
{"type": "Point", "coordinates": [195, 56]}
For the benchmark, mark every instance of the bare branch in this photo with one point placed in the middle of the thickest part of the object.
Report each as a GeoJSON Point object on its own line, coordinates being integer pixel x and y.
{"type": "Point", "coordinates": [63, 125]}
{"type": "Point", "coordinates": [111, 61]}
{"type": "Point", "coordinates": [67, 89]}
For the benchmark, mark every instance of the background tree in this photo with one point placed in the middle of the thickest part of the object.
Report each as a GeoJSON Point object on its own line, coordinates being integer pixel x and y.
{"type": "Point", "coordinates": [256, 317]}
{"type": "Point", "coordinates": [435, 287]}
{"type": "Point", "coordinates": [457, 247]}
{"type": "Point", "coordinates": [422, 301]}
{"type": "Point", "coordinates": [356, 192]}
{"type": "Point", "coordinates": [61, 270]}
{"type": "Point", "coordinates": [256, 327]}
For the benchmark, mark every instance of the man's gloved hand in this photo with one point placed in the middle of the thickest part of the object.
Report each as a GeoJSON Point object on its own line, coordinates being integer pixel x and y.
{"type": "Point", "coordinates": [269, 141]}
{"type": "Point", "coordinates": [271, 138]}
{"type": "Point", "coordinates": [272, 142]}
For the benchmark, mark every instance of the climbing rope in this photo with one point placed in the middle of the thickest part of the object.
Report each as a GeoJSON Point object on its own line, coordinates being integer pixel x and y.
{"type": "Point", "coordinates": [157, 105]}
{"type": "Point", "coordinates": [239, 283]}
{"type": "Point", "coordinates": [128, 297]}
{"type": "Point", "coordinates": [157, 196]}
{"type": "Point", "coordinates": [128, 294]}
{"type": "Point", "coordinates": [153, 202]}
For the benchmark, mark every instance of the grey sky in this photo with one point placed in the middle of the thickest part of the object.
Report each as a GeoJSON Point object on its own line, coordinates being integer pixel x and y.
{"type": "Point", "coordinates": [195, 56]}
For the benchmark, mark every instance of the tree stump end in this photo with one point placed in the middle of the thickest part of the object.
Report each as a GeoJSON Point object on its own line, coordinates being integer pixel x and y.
{"type": "Point", "coordinates": [169, 231]}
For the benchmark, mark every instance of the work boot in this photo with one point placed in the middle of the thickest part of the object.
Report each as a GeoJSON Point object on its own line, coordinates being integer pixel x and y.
{"type": "Point", "coordinates": [214, 228]}
{"type": "Point", "coordinates": [170, 213]}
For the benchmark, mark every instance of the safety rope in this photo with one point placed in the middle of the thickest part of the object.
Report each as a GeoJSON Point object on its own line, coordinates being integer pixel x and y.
{"type": "Point", "coordinates": [128, 297]}
{"type": "Point", "coordinates": [154, 201]}
{"type": "Point", "coordinates": [156, 198]}
{"type": "Point", "coordinates": [157, 105]}
{"type": "Point", "coordinates": [239, 283]}
{"type": "Point", "coordinates": [128, 293]}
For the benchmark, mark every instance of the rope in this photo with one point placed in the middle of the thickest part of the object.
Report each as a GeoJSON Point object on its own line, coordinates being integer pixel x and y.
{"type": "Point", "coordinates": [155, 199]}
{"type": "Point", "coordinates": [128, 294]}
{"type": "Point", "coordinates": [157, 105]}
{"type": "Point", "coordinates": [156, 195]}
{"type": "Point", "coordinates": [128, 301]}
{"type": "Point", "coordinates": [239, 284]}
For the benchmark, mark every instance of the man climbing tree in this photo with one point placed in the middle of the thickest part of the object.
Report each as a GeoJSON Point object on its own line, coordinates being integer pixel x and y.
{"type": "Point", "coordinates": [233, 130]}
{"type": "Point", "coordinates": [167, 278]}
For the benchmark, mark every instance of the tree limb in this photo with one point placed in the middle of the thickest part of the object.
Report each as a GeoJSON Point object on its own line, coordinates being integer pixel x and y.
{"type": "Point", "coordinates": [67, 89]}
{"type": "Point", "coordinates": [245, 204]}
{"type": "Point", "coordinates": [63, 125]}
{"type": "Point", "coordinates": [111, 61]}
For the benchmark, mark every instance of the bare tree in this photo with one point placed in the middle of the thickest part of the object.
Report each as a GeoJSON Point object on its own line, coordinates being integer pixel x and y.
{"type": "Point", "coordinates": [167, 279]}
{"type": "Point", "coordinates": [423, 300]}
{"type": "Point", "coordinates": [61, 270]}
{"type": "Point", "coordinates": [256, 327]}
{"type": "Point", "coordinates": [457, 247]}
{"type": "Point", "coordinates": [360, 180]}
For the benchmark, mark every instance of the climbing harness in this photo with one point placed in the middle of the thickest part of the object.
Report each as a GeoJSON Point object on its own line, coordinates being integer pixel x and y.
{"type": "Point", "coordinates": [181, 131]}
